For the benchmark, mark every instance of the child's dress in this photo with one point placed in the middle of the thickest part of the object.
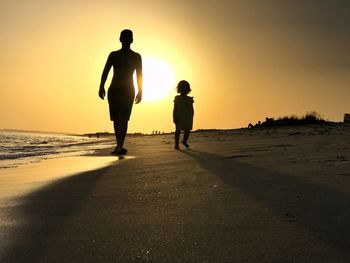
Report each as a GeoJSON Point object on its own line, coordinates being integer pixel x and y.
{"type": "Point", "coordinates": [183, 112]}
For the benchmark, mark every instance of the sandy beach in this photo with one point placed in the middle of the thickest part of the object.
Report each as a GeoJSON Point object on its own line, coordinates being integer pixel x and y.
{"type": "Point", "coordinates": [249, 195]}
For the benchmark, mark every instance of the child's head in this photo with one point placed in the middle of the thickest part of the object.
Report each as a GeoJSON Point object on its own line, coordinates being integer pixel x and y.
{"type": "Point", "coordinates": [183, 87]}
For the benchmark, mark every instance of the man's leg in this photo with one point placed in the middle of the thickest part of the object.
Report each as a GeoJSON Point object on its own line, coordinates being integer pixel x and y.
{"type": "Point", "coordinates": [122, 129]}
{"type": "Point", "coordinates": [115, 124]}
{"type": "Point", "coordinates": [122, 114]}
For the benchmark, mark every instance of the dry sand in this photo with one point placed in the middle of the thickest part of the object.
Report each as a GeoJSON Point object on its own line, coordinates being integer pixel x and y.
{"type": "Point", "coordinates": [258, 195]}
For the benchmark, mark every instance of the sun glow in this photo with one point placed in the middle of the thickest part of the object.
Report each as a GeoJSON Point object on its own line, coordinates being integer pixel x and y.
{"type": "Point", "coordinates": [158, 79]}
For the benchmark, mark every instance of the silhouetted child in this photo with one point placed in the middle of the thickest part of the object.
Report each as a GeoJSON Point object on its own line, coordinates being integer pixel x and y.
{"type": "Point", "coordinates": [183, 113]}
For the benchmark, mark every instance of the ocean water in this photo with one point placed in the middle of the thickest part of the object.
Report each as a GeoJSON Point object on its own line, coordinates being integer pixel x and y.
{"type": "Point", "coordinates": [17, 148]}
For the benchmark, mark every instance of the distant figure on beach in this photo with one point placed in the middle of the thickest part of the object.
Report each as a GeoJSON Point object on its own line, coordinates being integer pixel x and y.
{"type": "Point", "coordinates": [183, 113]}
{"type": "Point", "coordinates": [121, 92]}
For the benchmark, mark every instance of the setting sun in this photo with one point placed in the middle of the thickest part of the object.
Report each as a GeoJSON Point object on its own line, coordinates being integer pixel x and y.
{"type": "Point", "coordinates": [158, 79]}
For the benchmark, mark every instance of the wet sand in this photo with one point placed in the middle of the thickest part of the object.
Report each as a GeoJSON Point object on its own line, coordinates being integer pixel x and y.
{"type": "Point", "coordinates": [30, 177]}
{"type": "Point", "coordinates": [258, 195]}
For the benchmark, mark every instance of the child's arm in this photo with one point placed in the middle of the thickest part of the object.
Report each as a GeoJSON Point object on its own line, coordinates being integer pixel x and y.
{"type": "Point", "coordinates": [174, 113]}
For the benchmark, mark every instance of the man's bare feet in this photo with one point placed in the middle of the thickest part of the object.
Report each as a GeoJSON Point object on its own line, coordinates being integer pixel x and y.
{"type": "Point", "coordinates": [119, 151]}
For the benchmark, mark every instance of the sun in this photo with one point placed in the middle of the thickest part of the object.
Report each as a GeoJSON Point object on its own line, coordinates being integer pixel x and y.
{"type": "Point", "coordinates": [158, 79]}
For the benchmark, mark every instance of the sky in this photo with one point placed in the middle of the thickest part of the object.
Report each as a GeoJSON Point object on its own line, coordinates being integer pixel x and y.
{"type": "Point", "coordinates": [245, 60]}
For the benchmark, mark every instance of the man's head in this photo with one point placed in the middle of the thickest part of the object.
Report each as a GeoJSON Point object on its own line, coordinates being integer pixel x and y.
{"type": "Point", "coordinates": [126, 36]}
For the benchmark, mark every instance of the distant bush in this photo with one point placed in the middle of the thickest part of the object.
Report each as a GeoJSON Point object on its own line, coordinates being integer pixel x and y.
{"type": "Point", "coordinates": [311, 117]}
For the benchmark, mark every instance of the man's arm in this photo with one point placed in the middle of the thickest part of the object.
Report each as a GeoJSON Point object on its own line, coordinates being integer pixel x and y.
{"type": "Point", "coordinates": [139, 79]}
{"type": "Point", "coordinates": [102, 92]}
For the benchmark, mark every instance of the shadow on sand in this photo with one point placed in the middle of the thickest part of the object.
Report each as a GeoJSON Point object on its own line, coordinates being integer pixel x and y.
{"type": "Point", "coordinates": [41, 215]}
{"type": "Point", "coordinates": [321, 210]}
{"type": "Point", "coordinates": [66, 205]}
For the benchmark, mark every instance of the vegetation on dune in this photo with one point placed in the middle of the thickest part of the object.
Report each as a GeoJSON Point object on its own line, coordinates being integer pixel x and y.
{"type": "Point", "coordinates": [311, 117]}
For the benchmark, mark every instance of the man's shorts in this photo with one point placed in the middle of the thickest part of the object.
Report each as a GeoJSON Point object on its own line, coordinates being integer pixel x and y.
{"type": "Point", "coordinates": [120, 101]}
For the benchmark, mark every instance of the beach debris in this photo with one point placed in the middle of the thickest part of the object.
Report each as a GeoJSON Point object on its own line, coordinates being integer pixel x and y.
{"type": "Point", "coordinates": [341, 158]}
{"type": "Point", "coordinates": [143, 254]}
{"type": "Point", "coordinates": [294, 133]}
{"type": "Point", "coordinates": [291, 218]}
{"type": "Point", "coordinates": [239, 156]}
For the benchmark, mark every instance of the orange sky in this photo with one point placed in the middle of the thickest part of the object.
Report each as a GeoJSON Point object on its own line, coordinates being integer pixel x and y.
{"type": "Point", "coordinates": [245, 60]}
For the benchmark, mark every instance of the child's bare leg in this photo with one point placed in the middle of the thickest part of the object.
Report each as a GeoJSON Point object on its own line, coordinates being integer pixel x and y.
{"type": "Point", "coordinates": [177, 139]}
{"type": "Point", "coordinates": [186, 135]}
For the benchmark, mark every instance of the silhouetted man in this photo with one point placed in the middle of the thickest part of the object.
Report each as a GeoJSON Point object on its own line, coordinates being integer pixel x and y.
{"type": "Point", "coordinates": [121, 93]}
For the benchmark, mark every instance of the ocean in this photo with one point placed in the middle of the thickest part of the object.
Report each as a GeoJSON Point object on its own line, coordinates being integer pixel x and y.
{"type": "Point", "coordinates": [18, 148]}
